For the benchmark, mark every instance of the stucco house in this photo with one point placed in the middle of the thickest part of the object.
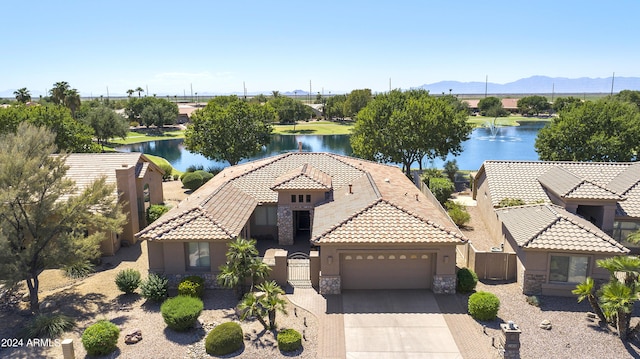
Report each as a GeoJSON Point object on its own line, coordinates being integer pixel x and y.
{"type": "Point", "coordinates": [373, 227]}
{"type": "Point", "coordinates": [138, 185]}
{"type": "Point", "coordinates": [574, 214]}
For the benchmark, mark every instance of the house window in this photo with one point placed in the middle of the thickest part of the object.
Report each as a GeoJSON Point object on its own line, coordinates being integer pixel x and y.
{"type": "Point", "coordinates": [308, 198]}
{"type": "Point", "coordinates": [198, 256]}
{"type": "Point", "coordinates": [300, 198]}
{"type": "Point", "coordinates": [622, 229]}
{"type": "Point", "coordinates": [293, 198]}
{"type": "Point", "coordinates": [569, 269]}
{"type": "Point", "coordinates": [266, 216]}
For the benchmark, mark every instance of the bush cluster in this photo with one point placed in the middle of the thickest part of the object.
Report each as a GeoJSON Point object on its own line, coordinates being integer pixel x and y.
{"type": "Point", "coordinates": [483, 305]}
{"type": "Point", "coordinates": [100, 338]}
{"type": "Point", "coordinates": [192, 286]}
{"type": "Point", "coordinates": [48, 326]}
{"type": "Point", "coordinates": [289, 340]}
{"type": "Point", "coordinates": [78, 269]}
{"type": "Point", "coordinates": [194, 179]}
{"type": "Point", "coordinates": [168, 171]}
{"type": "Point", "coordinates": [155, 211]}
{"type": "Point", "coordinates": [224, 339]}
{"type": "Point", "coordinates": [442, 188]}
{"type": "Point", "coordinates": [128, 280]}
{"type": "Point", "coordinates": [155, 288]}
{"type": "Point", "coordinates": [180, 313]}
{"type": "Point", "coordinates": [466, 280]}
{"type": "Point", "coordinates": [458, 213]}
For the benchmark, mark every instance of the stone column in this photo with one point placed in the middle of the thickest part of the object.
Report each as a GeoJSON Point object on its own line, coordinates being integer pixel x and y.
{"type": "Point", "coordinates": [285, 225]}
{"type": "Point", "coordinates": [510, 340]}
{"type": "Point", "coordinates": [67, 349]}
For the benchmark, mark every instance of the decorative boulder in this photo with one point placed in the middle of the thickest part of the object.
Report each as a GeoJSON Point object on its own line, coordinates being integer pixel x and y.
{"type": "Point", "coordinates": [133, 337]}
{"type": "Point", "coordinates": [546, 324]}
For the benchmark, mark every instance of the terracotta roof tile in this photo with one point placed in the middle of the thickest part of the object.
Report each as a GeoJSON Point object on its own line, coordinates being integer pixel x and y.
{"type": "Point", "coordinates": [303, 177]}
{"type": "Point", "coordinates": [551, 227]}
{"type": "Point", "coordinates": [190, 225]}
{"type": "Point", "coordinates": [383, 222]}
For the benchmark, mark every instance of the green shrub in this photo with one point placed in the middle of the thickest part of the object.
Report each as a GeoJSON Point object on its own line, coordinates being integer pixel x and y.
{"type": "Point", "coordinates": [510, 202]}
{"type": "Point", "coordinates": [48, 326]}
{"type": "Point", "coordinates": [224, 339]}
{"type": "Point", "coordinates": [128, 280]}
{"type": "Point", "coordinates": [155, 288]}
{"type": "Point", "coordinates": [155, 211]}
{"type": "Point", "coordinates": [289, 340]}
{"type": "Point", "coordinates": [180, 313]}
{"type": "Point", "coordinates": [168, 171]}
{"type": "Point", "coordinates": [430, 173]}
{"type": "Point", "coordinates": [442, 188]}
{"type": "Point", "coordinates": [192, 286]}
{"type": "Point", "coordinates": [458, 213]}
{"type": "Point", "coordinates": [206, 176]}
{"type": "Point", "coordinates": [193, 168]}
{"type": "Point", "coordinates": [466, 280]}
{"type": "Point", "coordinates": [214, 170]}
{"type": "Point", "coordinates": [483, 305]}
{"type": "Point", "coordinates": [192, 180]}
{"type": "Point", "coordinates": [100, 338]}
{"type": "Point", "coordinates": [134, 123]}
{"type": "Point", "coordinates": [79, 269]}
{"type": "Point", "coordinates": [176, 177]}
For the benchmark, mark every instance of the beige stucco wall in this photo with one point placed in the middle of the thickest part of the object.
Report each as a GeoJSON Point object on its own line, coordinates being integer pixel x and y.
{"type": "Point", "coordinates": [284, 198]}
{"type": "Point", "coordinates": [126, 182]}
{"type": "Point", "coordinates": [153, 178]}
{"type": "Point", "coordinates": [174, 256]}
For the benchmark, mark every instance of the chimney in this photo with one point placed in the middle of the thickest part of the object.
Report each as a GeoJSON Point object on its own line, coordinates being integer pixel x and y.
{"type": "Point", "coordinates": [299, 146]}
{"type": "Point", "coordinates": [350, 188]}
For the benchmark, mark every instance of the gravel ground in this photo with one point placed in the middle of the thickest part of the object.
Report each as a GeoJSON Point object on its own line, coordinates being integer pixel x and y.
{"type": "Point", "coordinates": [97, 297]}
{"type": "Point", "coordinates": [573, 334]}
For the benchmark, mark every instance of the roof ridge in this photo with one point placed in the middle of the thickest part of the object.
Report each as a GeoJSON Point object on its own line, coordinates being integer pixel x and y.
{"type": "Point", "coordinates": [427, 221]}
{"type": "Point", "coordinates": [171, 227]}
{"type": "Point", "coordinates": [537, 234]}
{"type": "Point", "coordinates": [275, 159]}
{"type": "Point", "coordinates": [602, 235]}
{"type": "Point", "coordinates": [601, 187]}
{"type": "Point", "coordinates": [347, 219]}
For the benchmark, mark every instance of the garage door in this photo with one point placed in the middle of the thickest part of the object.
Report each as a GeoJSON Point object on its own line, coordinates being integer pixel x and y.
{"type": "Point", "coordinates": [386, 271]}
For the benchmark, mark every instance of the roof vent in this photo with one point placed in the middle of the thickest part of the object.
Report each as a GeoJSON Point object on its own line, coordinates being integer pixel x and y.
{"type": "Point", "coordinates": [350, 188]}
{"type": "Point", "coordinates": [387, 180]}
{"type": "Point", "coordinates": [417, 197]}
{"type": "Point", "coordinates": [299, 146]}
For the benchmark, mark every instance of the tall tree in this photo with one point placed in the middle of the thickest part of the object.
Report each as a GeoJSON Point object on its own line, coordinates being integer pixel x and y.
{"type": "Point", "coordinates": [72, 101]}
{"type": "Point", "coordinates": [159, 112]}
{"type": "Point", "coordinates": [22, 95]}
{"type": "Point", "coordinates": [356, 101]}
{"type": "Point", "coordinates": [58, 92]}
{"type": "Point", "coordinates": [229, 132]}
{"type": "Point", "coordinates": [130, 92]}
{"type": "Point", "coordinates": [106, 124]}
{"type": "Point", "coordinates": [334, 108]}
{"type": "Point", "coordinates": [631, 96]}
{"type": "Point", "coordinates": [288, 110]}
{"type": "Point", "coordinates": [564, 103]}
{"type": "Point", "coordinates": [533, 105]}
{"type": "Point", "coordinates": [492, 107]}
{"type": "Point", "coordinates": [602, 131]}
{"type": "Point", "coordinates": [139, 90]}
{"type": "Point", "coordinates": [404, 127]}
{"type": "Point", "coordinates": [43, 216]}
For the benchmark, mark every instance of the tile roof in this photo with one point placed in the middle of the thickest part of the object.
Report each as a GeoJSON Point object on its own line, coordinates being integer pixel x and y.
{"type": "Point", "coordinates": [520, 179]}
{"type": "Point", "coordinates": [567, 185]}
{"type": "Point", "coordinates": [84, 168]}
{"type": "Point", "coordinates": [384, 222]}
{"type": "Point", "coordinates": [550, 227]}
{"type": "Point", "coordinates": [224, 204]}
{"type": "Point", "coordinates": [303, 177]}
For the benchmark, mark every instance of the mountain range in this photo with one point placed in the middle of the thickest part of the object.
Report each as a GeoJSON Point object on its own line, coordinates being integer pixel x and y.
{"type": "Point", "coordinates": [530, 85]}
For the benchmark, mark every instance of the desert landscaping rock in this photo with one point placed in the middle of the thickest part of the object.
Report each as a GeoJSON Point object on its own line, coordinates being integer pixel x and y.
{"type": "Point", "coordinates": [133, 337]}
{"type": "Point", "coordinates": [546, 324]}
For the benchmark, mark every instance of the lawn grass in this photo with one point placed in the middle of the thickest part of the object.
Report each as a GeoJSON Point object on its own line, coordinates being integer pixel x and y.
{"type": "Point", "coordinates": [137, 137]}
{"type": "Point", "coordinates": [513, 120]}
{"type": "Point", "coordinates": [160, 160]}
{"type": "Point", "coordinates": [314, 128]}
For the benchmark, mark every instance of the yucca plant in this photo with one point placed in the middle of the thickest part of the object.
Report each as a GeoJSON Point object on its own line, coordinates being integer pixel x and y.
{"type": "Point", "coordinates": [48, 326]}
{"type": "Point", "coordinates": [128, 280]}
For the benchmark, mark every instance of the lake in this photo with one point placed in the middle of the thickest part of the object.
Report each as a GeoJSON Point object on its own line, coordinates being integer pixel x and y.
{"type": "Point", "coordinates": [509, 143]}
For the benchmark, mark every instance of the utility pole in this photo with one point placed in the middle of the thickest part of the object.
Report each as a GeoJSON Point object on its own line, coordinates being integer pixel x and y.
{"type": "Point", "coordinates": [553, 90]}
{"type": "Point", "coordinates": [486, 85]}
{"type": "Point", "coordinates": [612, 78]}
{"type": "Point", "coordinates": [244, 87]}
{"type": "Point", "coordinates": [191, 92]}
{"type": "Point", "coordinates": [309, 97]}
{"type": "Point", "coordinates": [389, 84]}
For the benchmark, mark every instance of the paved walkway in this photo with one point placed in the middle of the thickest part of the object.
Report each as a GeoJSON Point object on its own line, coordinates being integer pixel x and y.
{"type": "Point", "coordinates": [330, 311]}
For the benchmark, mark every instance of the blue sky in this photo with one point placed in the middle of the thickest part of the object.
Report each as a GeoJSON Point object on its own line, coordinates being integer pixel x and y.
{"type": "Point", "coordinates": [169, 46]}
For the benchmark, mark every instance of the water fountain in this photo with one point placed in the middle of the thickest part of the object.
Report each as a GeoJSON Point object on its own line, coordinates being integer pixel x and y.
{"type": "Point", "coordinates": [492, 128]}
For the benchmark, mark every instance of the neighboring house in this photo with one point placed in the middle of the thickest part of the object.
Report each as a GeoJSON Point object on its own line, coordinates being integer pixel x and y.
{"type": "Point", "coordinates": [374, 228]}
{"type": "Point", "coordinates": [575, 214]}
{"type": "Point", "coordinates": [509, 104]}
{"type": "Point", "coordinates": [138, 185]}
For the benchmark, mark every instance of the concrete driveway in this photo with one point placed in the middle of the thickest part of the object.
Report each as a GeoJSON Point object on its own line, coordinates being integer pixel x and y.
{"type": "Point", "coordinates": [395, 324]}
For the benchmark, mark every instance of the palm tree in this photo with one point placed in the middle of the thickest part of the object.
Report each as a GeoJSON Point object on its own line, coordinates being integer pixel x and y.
{"type": "Point", "coordinates": [72, 101]}
{"type": "Point", "coordinates": [586, 290]}
{"type": "Point", "coordinates": [275, 94]}
{"type": "Point", "coordinates": [634, 237]}
{"type": "Point", "coordinates": [130, 92]}
{"type": "Point", "coordinates": [242, 264]}
{"type": "Point", "coordinates": [617, 301]}
{"type": "Point", "coordinates": [139, 90]}
{"type": "Point", "coordinates": [271, 301]}
{"type": "Point", "coordinates": [22, 95]}
{"type": "Point", "coordinates": [628, 265]}
{"type": "Point", "coordinates": [58, 92]}
{"type": "Point", "coordinates": [250, 306]}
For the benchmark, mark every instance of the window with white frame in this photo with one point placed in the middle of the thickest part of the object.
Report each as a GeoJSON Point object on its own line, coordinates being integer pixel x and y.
{"type": "Point", "coordinates": [266, 215]}
{"type": "Point", "coordinates": [568, 269]}
{"type": "Point", "coordinates": [198, 256]}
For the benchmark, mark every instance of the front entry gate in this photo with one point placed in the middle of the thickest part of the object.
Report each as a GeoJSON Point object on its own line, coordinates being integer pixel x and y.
{"type": "Point", "coordinates": [298, 273]}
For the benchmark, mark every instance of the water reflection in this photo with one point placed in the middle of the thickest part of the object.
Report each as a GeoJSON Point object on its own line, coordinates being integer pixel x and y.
{"type": "Point", "coordinates": [510, 143]}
